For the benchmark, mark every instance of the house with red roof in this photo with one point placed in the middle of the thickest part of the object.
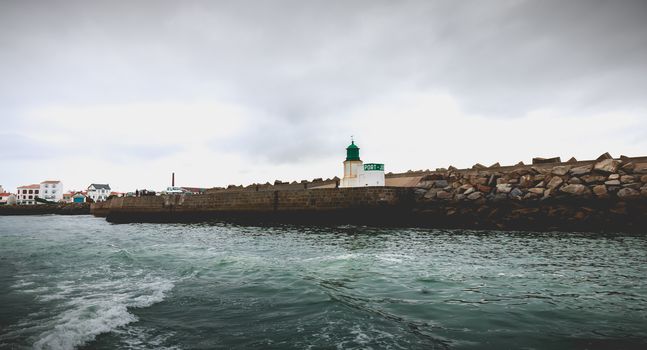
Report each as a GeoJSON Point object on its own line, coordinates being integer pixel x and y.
{"type": "Point", "coordinates": [7, 198]}
{"type": "Point", "coordinates": [27, 194]}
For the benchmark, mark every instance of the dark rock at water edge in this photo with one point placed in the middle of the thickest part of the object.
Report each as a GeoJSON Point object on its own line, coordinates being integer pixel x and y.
{"type": "Point", "coordinates": [43, 209]}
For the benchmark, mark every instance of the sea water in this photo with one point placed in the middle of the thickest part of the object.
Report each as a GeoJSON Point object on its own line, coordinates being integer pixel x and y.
{"type": "Point", "coordinates": [79, 282]}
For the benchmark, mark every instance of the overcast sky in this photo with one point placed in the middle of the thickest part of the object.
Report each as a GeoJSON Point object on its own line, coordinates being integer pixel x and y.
{"type": "Point", "coordinates": [235, 92]}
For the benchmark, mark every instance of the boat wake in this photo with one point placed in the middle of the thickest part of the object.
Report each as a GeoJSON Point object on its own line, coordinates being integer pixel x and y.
{"type": "Point", "coordinates": [83, 310]}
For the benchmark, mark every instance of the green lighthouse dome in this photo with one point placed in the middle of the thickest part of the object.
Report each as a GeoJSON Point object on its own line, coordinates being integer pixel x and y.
{"type": "Point", "coordinates": [352, 151]}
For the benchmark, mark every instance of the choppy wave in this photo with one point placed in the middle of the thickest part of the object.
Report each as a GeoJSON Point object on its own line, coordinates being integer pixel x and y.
{"type": "Point", "coordinates": [84, 310]}
{"type": "Point", "coordinates": [80, 282]}
{"type": "Point", "coordinates": [135, 338]}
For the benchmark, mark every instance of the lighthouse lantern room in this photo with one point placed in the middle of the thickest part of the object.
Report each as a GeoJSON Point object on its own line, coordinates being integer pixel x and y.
{"type": "Point", "coordinates": [358, 174]}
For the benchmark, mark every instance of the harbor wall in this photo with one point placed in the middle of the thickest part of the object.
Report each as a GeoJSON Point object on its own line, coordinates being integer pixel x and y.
{"type": "Point", "coordinates": [305, 205]}
{"type": "Point", "coordinates": [606, 194]}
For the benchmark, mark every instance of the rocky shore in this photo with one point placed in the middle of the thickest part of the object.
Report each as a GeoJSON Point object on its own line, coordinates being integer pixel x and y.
{"type": "Point", "coordinates": [42, 209]}
{"type": "Point", "coordinates": [605, 194]}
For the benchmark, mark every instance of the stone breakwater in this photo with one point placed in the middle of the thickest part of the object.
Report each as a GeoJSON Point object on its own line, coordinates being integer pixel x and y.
{"type": "Point", "coordinates": [604, 178]}
{"type": "Point", "coordinates": [603, 195]}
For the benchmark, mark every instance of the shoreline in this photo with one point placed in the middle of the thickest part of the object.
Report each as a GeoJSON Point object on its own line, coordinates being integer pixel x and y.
{"type": "Point", "coordinates": [565, 214]}
{"type": "Point", "coordinates": [44, 209]}
{"type": "Point", "coordinates": [600, 195]}
{"type": "Point", "coordinates": [603, 195]}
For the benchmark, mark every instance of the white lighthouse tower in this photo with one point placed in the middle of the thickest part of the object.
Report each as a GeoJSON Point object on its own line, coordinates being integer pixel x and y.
{"type": "Point", "coordinates": [358, 174]}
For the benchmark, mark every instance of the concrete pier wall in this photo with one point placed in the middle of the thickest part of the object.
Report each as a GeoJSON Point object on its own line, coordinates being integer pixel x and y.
{"type": "Point", "coordinates": [600, 195]}
{"type": "Point", "coordinates": [316, 205]}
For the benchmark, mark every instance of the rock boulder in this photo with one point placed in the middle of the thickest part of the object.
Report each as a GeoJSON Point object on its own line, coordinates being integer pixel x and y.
{"type": "Point", "coordinates": [475, 196]}
{"type": "Point", "coordinates": [640, 168]}
{"type": "Point", "coordinates": [604, 156]}
{"type": "Point", "coordinates": [555, 182]}
{"type": "Point", "coordinates": [627, 179]}
{"type": "Point", "coordinates": [574, 181]}
{"type": "Point", "coordinates": [516, 193]}
{"type": "Point", "coordinates": [607, 166]}
{"type": "Point", "coordinates": [536, 190]}
{"type": "Point", "coordinates": [503, 188]}
{"type": "Point", "coordinates": [443, 195]}
{"type": "Point", "coordinates": [628, 193]}
{"type": "Point", "coordinates": [561, 170]}
{"type": "Point", "coordinates": [581, 170]}
{"type": "Point", "coordinates": [592, 179]}
{"type": "Point", "coordinates": [576, 190]}
{"type": "Point", "coordinates": [601, 191]}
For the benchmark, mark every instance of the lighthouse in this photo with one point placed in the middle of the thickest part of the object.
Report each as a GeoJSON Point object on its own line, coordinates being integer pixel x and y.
{"type": "Point", "coordinates": [358, 174]}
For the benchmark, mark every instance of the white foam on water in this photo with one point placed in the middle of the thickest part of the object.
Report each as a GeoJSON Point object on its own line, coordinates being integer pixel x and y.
{"type": "Point", "coordinates": [394, 258]}
{"type": "Point", "coordinates": [95, 307]}
{"type": "Point", "coordinates": [21, 284]}
{"type": "Point", "coordinates": [77, 326]}
{"type": "Point", "coordinates": [361, 338]}
{"type": "Point", "coordinates": [143, 338]}
{"type": "Point", "coordinates": [335, 257]}
{"type": "Point", "coordinates": [50, 297]}
{"type": "Point", "coordinates": [366, 336]}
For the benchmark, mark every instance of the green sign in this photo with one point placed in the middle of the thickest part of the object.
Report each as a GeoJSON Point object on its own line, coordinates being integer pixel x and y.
{"type": "Point", "coordinates": [373, 167]}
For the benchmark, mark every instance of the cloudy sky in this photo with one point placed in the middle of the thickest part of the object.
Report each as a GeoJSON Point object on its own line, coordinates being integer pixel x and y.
{"type": "Point", "coordinates": [235, 92]}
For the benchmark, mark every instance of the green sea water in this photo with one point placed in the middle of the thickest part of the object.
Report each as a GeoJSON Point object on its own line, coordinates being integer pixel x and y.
{"type": "Point", "coordinates": [79, 282]}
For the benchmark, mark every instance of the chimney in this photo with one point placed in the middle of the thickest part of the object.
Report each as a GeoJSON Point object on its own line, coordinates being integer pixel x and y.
{"type": "Point", "coordinates": [173, 180]}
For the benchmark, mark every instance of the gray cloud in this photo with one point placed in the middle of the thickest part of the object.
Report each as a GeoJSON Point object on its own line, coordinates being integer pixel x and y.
{"type": "Point", "coordinates": [124, 153]}
{"type": "Point", "coordinates": [18, 147]}
{"type": "Point", "coordinates": [283, 142]}
{"type": "Point", "coordinates": [306, 63]}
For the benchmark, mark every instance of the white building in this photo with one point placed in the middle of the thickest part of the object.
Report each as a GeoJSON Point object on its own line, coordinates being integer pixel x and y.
{"type": "Point", "coordinates": [2, 189]}
{"type": "Point", "coordinates": [358, 174]}
{"type": "Point", "coordinates": [51, 191]}
{"type": "Point", "coordinates": [98, 192]}
{"type": "Point", "coordinates": [27, 194]}
{"type": "Point", "coordinates": [7, 199]}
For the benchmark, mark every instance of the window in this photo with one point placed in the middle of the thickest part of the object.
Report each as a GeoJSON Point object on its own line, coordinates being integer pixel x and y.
{"type": "Point", "coordinates": [31, 191]}
{"type": "Point", "coordinates": [53, 191]}
{"type": "Point", "coordinates": [36, 191]}
{"type": "Point", "coordinates": [24, 191]}
{"type": "Point", "coordinates": [30, 197]}
{"type": "Point", "coordinates": [46, 185]}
